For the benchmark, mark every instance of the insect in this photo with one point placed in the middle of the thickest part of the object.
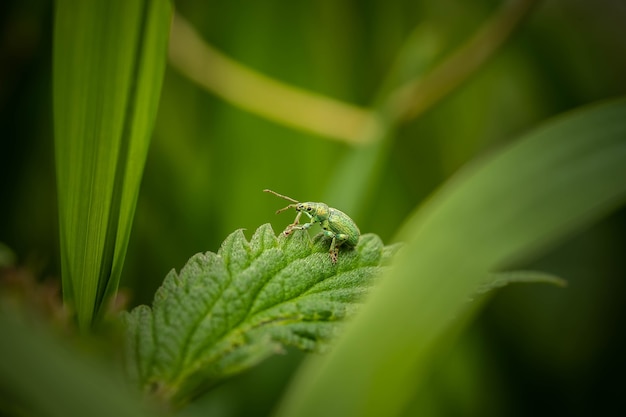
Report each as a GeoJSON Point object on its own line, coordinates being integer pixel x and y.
{"type": "Point", "coordinates": [335, 223]}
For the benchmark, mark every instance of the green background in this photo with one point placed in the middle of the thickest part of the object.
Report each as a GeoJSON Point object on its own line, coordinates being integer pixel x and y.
{"type": "Point", "coordinates": [534, 350]}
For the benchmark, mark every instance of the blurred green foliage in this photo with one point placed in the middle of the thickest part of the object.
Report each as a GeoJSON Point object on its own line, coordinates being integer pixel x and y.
{"type": "Point", "coordinates": [539, 351]}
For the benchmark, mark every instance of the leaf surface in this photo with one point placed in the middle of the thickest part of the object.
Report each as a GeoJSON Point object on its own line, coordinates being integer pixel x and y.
{"type": "Point", "coordinates": [224, 312]}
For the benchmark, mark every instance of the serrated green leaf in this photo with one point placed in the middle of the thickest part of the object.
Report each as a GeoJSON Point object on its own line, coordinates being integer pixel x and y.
{"type": "Point", "coordinates": [109, 59]}
{"type": "Point", "coordinates": [225, 312]}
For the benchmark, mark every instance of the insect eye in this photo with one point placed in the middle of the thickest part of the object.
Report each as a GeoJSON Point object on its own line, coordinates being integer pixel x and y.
{"type": "Point", "coordinates": [308, 209]}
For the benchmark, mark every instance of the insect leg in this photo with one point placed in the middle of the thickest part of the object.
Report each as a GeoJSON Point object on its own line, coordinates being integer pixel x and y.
{"type": "Point", "coordinates": [334, 251]}
{"type": "Point", "coordinates": [294, 226]}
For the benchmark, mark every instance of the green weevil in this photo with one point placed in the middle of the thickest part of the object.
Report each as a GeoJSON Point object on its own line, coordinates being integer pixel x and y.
{"type": "Point", "coordinates": [335, 223]}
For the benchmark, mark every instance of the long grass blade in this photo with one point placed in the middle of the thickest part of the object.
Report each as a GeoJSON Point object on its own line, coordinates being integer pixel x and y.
{"type": "Point", "coordinates": [109, 58]}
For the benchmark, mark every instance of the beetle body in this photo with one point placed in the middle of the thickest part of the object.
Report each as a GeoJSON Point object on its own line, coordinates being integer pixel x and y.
{"type": "Point", "coordinates": [336, 224]}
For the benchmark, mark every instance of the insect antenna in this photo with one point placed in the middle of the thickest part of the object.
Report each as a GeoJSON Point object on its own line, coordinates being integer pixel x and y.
{"type": "Point", "coordinates": [281, 196]}
{"type": "Point", "coordinates": [285, 197]}
{"type": "Point", "coordinates": [285, 208]}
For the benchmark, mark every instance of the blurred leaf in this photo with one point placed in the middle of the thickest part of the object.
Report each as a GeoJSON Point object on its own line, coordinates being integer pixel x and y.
{"type": "Point", "coordinates": [260, 94]}
{"type": "Point", "coordinates": [109, 58]}
{"type": "Point", "coordinates": [493, 213]}
{"type": "Point", "coordinates": [417, 81]}
{"type": "Point", "coordinates": [423, 91]}
{"type": "Point", "coordinates": [225, 312]}
{"type": "Point", "coordinates": [7, 256]}
{"type": "Point", "coordinates": [502, 279]}
{"type": "Point", "coordinates": [41, 376]}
